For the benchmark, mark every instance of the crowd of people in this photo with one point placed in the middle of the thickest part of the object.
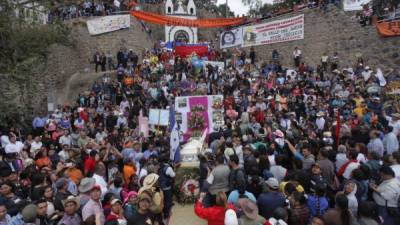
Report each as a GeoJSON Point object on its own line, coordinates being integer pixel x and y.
{"type": "Point", "coordinates": [300, 145]}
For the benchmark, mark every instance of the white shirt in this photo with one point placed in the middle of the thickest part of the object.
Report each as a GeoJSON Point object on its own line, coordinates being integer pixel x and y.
{"type": "Point", "coordinates": [389, 190]}
{"type": "Point", "coordinates": [102, 183]}
{"type": "Point", "coordinates": [391, 143]}
{"type": "Point", "coordinates": [65, 140]}
{"type": "Point", "coordinates": [14, 147]}
{"type": "Point", "coordinates": [36, 146]}
{"type": "Point", "coordinates": [349, 169]}
{"type": "Point", "coordinates": [396, 169]}
{"type": "Point", "coordinates": [297, 53]}
{"type": "Point", "coordinates": [278, 172]}
{"type": "Point", "coordinates": [361, 158]}
{"type": "Point", "coordinates": [320, 123]}
{"type": "Point", "coordinates": [341, 159]}
{"type": "Point", "coordinates": [4, 141]}
{"type": "Point", "coordinates": [64, 156]}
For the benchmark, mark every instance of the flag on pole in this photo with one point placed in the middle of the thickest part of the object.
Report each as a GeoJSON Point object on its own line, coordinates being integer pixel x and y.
{"type": "Point", "coordinates": [337, 133]}
{"type": "Point", "coordinates": [174, 154]}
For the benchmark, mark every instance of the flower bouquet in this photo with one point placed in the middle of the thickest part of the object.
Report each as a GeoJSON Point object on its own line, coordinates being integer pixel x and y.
{"type": "Point", "coordinates": [196, 120]}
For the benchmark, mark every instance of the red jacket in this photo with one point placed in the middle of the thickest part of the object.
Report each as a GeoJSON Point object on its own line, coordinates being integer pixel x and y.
{"type": "Point", "coordinates": [214, 215]}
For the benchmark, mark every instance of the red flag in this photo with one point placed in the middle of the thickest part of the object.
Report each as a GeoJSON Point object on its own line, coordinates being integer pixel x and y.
{"type": "Point", "coordinates": [337, 128]}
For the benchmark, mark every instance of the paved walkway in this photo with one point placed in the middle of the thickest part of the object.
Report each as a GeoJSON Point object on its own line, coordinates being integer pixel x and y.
{"type": "Point", "coordinates": [184, 215]}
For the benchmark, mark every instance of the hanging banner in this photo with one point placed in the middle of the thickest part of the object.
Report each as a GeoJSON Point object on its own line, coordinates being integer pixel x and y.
{"type": "Point", "coordinates": [283, 30]}
{"type": "Point", "coordinates": [175, 21]}
{"type": "Point", "coordinates": [107, 24]}
{"type": "Point", "coordinates": [187, 50]}
{"type": "Point", "coordinates": [353, 5]}
{"type": "Point", "coordinates": [231, 38]}
{"type": "Point", "coordinates": [388, 28]}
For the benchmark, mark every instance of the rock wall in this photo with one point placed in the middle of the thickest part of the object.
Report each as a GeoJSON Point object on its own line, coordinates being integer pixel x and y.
{"type": "Point", "coordinates": [336, 31]}
{"type": "Point", "coordinates": [64, 73]}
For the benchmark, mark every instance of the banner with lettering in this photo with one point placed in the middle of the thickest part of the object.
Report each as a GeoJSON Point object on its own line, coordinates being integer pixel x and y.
{"type": "Point", "coordinates": [283, 30]}
{"type": "Point", "coordinates": [231, 38]}
{"type": "Point", "coordinates": [107, 24]}
{"type": "Point", "coordinates": [353, 5]}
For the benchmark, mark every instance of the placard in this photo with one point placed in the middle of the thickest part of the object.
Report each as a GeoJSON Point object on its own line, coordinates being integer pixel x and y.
{"type": "Point", "coordinates": [231, 38]}
{"type": "Point", "coordinates": [159, 117]}
{"type": "Point", "coordinates": [107, 24]}
{"type": "Point", "coordinates": [277, 31]}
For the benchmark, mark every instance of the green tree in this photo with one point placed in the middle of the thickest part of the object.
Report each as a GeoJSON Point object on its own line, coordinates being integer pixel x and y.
{"type": "Point", "coordinates": [22, 39]}
{"type": "Point", "coordinates": [222, 10]}
{"type": "Point", "coordinates": [254, 5]}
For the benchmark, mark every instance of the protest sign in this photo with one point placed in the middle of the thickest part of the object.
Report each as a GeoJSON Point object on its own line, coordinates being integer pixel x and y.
{"type": "Point", "coordinates": [159, 117]}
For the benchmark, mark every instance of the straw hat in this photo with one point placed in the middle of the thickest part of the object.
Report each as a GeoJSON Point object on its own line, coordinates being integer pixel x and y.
{"type": "Point", "coordinates": [150, 180]}
{"type": "Point", "coordinates": [249, 208]}
{"type": "Point", "coordinates": [73, 199]}
{"type": "Point", "coordinates": [86, 184]}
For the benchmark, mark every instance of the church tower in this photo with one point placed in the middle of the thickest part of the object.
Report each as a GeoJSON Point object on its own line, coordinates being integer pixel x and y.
{"type": "Point", "coordinates": [181, 33]}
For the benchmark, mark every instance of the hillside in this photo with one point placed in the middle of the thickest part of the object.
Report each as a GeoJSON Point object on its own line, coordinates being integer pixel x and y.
{"type": "Point", "coordinates": [66, 71]}
{"type": "Point", "coordinates": [337, 31]}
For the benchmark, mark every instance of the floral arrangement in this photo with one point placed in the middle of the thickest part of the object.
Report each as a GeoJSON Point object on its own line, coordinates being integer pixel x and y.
{"type": "Point", "coordinates": [196, 120]}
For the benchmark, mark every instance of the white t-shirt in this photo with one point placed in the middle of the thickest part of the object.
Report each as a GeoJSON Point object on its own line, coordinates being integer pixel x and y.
{"type": "Point", "coordinates": [396, 169]}
{"type": "Point", "coordinates": [4, 141]}
{"type": "Point", "coordinates": [361, 158]}
{"type": "Point", "coordinates": [14, 147]}
{"type": "Point", "coordinates": [65, 140]}
{"type": "Point", "coordinates": [35, 147]}
{"type": "Point", "coordinates": [349, 169]}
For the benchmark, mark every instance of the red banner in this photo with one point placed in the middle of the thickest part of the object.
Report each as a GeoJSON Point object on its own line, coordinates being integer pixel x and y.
{"type": "Point", "coordinates": [187, 50]}
{"type": "Point", "coordinates": [174, 21]}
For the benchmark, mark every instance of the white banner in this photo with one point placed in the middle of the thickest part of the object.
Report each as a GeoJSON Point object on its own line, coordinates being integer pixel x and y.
{"type": "Point", "coordinates": [108, 24]}
{"type": "Point", "coordinates": [231, 38]}
{"type": "Point", "coordinates": [353, 5]}
{"type": "Point", "coordinates": [283, 30]}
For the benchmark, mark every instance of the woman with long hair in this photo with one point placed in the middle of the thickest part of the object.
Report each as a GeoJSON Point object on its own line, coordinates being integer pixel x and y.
{"type": "Point", "coordinates": [214, 215]}
{"type": "Point", "coordinates": [340, 215]}
{"type": "Point", "coordinates": [299, 211]}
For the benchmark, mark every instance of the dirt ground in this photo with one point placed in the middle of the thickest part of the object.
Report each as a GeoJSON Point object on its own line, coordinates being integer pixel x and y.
{"type": "Point", "coordinates": [184, 215]}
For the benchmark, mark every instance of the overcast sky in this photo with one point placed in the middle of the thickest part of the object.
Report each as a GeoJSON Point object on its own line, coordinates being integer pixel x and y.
{"type": "Point", "coordinates": [237, 6]}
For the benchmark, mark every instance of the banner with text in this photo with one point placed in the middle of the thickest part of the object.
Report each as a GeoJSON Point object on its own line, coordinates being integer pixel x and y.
{"type": "Point", "coordinates": [283, 30]}
{"type": "Point", "coordinates": [107, 24]}
{"type": "Point", "coordinates": [231, 38]}
{"type": "Point", "coordinates": [353, 5]}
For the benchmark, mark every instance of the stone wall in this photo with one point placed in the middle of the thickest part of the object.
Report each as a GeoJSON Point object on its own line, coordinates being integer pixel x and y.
{"type": "Point", "coordinates": [64, 73]}
{"type": "Point", "coordinates": [336, 31]}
